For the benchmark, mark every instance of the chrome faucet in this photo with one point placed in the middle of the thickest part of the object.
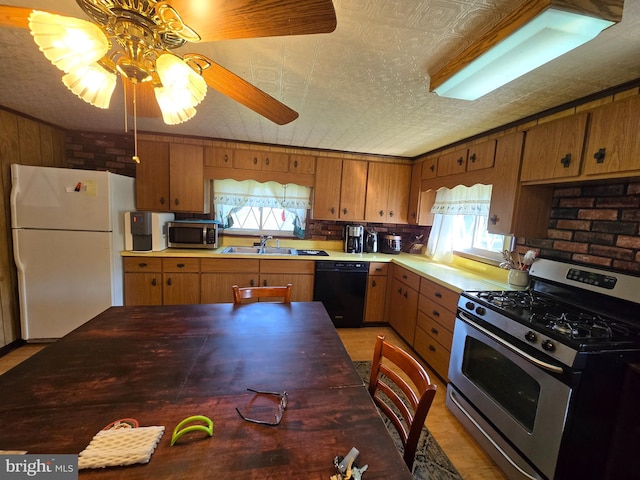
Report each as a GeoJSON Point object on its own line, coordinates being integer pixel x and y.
{"type": "Point", "coordinates": [263, 241]}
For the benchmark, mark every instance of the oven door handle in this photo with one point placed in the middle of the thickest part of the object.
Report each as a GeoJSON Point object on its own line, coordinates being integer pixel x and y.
{"type": "Point", "coordinates": [517, 351]}
{"type": "Point", "coordinates": [488, 437]}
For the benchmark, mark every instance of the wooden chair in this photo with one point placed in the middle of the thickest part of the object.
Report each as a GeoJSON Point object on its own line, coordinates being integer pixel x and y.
{"type": "Point", "coordinates": [243, 293]}
{"type": "Point", "coordinates": [414, 406]}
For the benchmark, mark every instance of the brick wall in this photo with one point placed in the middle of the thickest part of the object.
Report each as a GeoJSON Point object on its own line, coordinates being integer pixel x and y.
{"type": "Point", "coordinates": [98, 151]}
{"type": "Point", "coordinates": [597, 225]}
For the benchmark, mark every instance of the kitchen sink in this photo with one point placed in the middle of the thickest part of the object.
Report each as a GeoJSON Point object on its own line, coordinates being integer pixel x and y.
{"type": "Point", "coordinates": [261, 250]}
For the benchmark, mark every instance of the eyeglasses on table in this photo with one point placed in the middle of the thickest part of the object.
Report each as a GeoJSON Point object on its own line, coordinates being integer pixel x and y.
{"type": "Point", "coordinates": [279, 412]}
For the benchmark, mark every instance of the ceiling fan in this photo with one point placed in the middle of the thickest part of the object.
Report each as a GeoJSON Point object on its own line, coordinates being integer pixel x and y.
{"type": "Point", "coordinates": [134, 40]}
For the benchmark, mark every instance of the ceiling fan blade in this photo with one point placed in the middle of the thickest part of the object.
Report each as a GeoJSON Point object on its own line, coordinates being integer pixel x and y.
{"type": "Point", "coordinates": [146, 103]}
{"type": "Point", "coordinates": [231, 85]}
{"type": "Point", "coordinates": [230, 19]}
{"type": "Point", "coordinates": [14, 16]}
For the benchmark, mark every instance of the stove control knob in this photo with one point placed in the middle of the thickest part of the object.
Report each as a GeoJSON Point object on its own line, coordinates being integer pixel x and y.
{"type": "Point", "coordinates": [548, 346]}
{"type": "Point", "coordinates": [470, 305]}
{"type": "Point", "coordinates": [480, 310]}
{"type": "Point", "coordinates": [530, 336]}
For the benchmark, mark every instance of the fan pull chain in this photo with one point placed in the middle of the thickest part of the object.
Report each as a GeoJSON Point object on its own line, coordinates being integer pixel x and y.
{"type": "Point", "coordinates": [135, 124]}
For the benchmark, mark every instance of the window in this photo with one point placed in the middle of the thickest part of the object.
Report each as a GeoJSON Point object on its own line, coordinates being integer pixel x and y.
{"type": "Point", "coordinates": [460, 224]}
{"type": "Point", "coordinates": [249, 207]}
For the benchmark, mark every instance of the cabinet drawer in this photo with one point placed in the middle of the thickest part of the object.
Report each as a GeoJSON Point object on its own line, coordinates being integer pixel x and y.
{"type": "Point", "coordinates": [142, 264]}
{"type": "Point", "coordinates": [287, 266]}
{"type": "Point", "coordinates": [440, 333]}
{"type": "Point", "coordinates": [435, 310]}
{"type": "Point", "coordinates": [180, 264]}
{"type": "Point", "coordinates": [377, 268]}
{"type": "Point", "coordinates": [432, 352]}
{"type": "Point", "coordinates": [445, 297]}
{"type": "Point", "coordinates": [212, 265]}
{"type": "Point", "coordinates": [410, 279]}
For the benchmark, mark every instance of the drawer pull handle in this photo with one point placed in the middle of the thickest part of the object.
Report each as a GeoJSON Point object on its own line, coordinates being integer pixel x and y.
{"type": "Point", "coordinates": [406, 294]}
{"type": "Point", "coordinates": [434, 331]}
{"type": "Point", "coordinates": [378, 269]}
{"type": "Point", "coordinates": [404, 276]}
{"type": "Point", "coordinates": [154, 282]}
{"type": "Point", "coordinates": [599, 155]}
{"type": "Point", "coordinates": [432, 348]}
{"type": "Point", "coordinates": [142, 265]}
{"type": "Point", "coordinates": [169, 282]}
{"type": "Point", "coordinates": [438, 295]}
{"type": "Point", "coordinates": [400, 291]}
{"type": "Point", "coordinates": [436, 313]}
{"type": "Point", "coordinates": [180, 265]}
{"type": "Point", "coordinates": [251, 282]}
{"type": "Point", "coordinates": [374, 284]}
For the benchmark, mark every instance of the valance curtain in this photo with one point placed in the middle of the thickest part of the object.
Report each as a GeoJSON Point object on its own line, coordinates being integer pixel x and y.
{"type": "Point", "coordinates": [230, 196]}
{"type": "Point", "coordinates": [449, 204]}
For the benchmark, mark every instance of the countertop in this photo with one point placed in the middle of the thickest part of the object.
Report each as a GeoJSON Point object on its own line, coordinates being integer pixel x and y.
{"type": "Point", "coordinates": [462, 275]}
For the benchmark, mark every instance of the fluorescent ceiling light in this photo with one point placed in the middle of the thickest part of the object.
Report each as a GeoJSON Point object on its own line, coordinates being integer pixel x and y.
{"type": "Point", "coordinates": [546, 37]}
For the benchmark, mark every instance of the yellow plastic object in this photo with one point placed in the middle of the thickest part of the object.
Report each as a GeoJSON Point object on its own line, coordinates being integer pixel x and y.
{"type": "Point", "coordinates": [179, 431]}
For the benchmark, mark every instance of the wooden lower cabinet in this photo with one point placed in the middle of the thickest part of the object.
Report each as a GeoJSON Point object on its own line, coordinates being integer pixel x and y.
{"type": "Point", "coordinates": [300, 273]}
{"type": "Point", "coordinates": [180, 281]}
{"type": "Point", "coordinates": [218, 275]}
{"type": "Point", "coordinates": [376, 294]}
{"type": "Point", "coordinates": [142, 281]}
{"type": "Point", "coordinates": [434, 330]}
{"type": "Point", "coordinates": [402, 302]}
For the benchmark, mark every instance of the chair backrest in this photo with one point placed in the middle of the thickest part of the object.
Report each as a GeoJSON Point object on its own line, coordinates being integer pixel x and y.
{"type": "Point", "coordinates": [412, 406]}
{"type": "Point", "coordinates": [243, 293]}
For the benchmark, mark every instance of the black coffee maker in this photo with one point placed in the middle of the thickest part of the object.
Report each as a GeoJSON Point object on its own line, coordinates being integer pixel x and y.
{"type": "Point", "coordinates": [353, 238]}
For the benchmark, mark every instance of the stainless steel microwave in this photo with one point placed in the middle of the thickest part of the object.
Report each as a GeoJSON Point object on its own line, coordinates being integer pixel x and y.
{"type": "Point", "coordinates": [193, 234]}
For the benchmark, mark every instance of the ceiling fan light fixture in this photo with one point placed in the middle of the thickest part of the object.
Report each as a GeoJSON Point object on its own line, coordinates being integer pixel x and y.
{"type": "Point", "coordinates": [186, 87]}
{"type": "Point", "coordinates": [93, 83]}
{"type": "Point", "coordinates": [67, 42]}
{"type": "Point", "coordinates": [547, 36]}
{"type": "Point", "coordinates": [172, 112]}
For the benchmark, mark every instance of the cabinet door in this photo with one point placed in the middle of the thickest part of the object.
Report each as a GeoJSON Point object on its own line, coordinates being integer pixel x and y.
{"type": "Point", "coordinates": [302, 285]}
{"type": "Point", "coordinates": [398, 201]}
{"type": "Point", "coordinates": [377, 196]}
{"type": "Point", "coordinates": [481, 155]}
{"type": "Point", "coordinates": [275, 162]}
{"type": "Point", "coordinates": [353, 189]}
{"type": "Point", "coordinates": [326, 194]}
{"type": "Point", "coordinates": [246, 160]}
{"type": "Point", "coordinates": [303, 164]}
{"type": "Point", "coordinates": [218, 157]}
{"type": "Point", "coordinates": [152, 176]}
{"type": "Point", "coordinates": [180, 288]}
{"type": "Point", "coordinates": [143, 288]}
{"type": "Point", "coordinates": [614, 143]}
{"type": "Point", "coordinates": [453, 162]}
{"type": "Point", "coordinates": [430, 167]}
{"type": "Point", "coordinates": [554, 150]}
{"type": "Point", "coordinates": [375, 298]}
{"type": "Point", "coordinates": [216, 287]}
{"type": "Point", "coordinates": [187, 184]}
{"type": "Point", "coordinates": [402, 309]}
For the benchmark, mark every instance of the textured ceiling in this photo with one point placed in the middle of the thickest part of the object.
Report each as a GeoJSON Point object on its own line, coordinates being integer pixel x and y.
{"type": "Point", "coordinates": [363, 88]}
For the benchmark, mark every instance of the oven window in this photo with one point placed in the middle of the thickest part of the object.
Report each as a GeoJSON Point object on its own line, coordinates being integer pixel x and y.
{"type": "Point", "coordinates": [505, 382]}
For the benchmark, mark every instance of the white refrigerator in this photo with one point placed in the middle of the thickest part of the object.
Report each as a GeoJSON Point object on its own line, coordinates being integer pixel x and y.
{"type": "Point", "coordinates": [68, 231]}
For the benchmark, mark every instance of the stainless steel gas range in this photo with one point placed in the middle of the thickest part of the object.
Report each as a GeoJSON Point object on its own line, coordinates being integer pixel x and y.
{"type": "Point", "coordinates": [536, 375]}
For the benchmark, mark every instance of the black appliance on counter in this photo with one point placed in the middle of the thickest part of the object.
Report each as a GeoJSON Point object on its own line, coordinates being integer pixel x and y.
{"type": "Point", "coordinates": [341, 287]}
{"type": "Point", "coordinates": [536, 376]}
{"type": "Point", "coordinates": [390, 243]}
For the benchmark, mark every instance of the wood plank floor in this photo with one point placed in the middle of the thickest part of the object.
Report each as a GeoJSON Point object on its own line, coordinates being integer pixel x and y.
{"type": "Point", "coordinates": [469, 459]}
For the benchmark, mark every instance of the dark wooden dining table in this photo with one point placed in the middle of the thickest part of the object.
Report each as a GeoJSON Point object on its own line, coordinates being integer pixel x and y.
{"type": "Point", "coordinates": [161, 364]}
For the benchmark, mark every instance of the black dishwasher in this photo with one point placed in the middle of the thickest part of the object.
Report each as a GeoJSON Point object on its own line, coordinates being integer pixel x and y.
{"type": "Point", "coordinates": [341, 287]}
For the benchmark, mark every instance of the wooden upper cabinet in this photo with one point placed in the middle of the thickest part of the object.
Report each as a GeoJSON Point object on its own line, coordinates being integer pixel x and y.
{"type": "Point", "coordinates": [353, 189]}
{"type": "Point", "coordinates": [429, 168]}
{"type": "Point", "coordinates": [304, 164]}
{"type": "Point", "coordinates": [218, 157]}
{"type": "Point", "coordinates": [187, 186]}
{"type": "Point", "coordinates": [614, 144]}
{"type": "Point", "coordinates": [554, 150]}
{"type": "Point", "coordinates": [261, 160]}
{"type": "Point", "coordinates": [387, 196]}
{"type": "Point", "coordinates": [453, 162]}
{"type": "Point", "coordinates": [152, 176]}
{"type": "Point", "coordinates": [481, 155]}
{"type": "Point", "coordinates": [326, 192]}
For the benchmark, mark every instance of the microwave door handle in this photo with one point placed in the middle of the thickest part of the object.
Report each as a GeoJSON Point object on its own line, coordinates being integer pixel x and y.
{"type": "Point", "coordinates": [525, 355]}
{"type": "Point", "coordinates": [204, 234]}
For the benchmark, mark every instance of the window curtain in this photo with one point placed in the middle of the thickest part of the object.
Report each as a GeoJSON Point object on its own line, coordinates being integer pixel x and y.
{"type": "Point", "coordinates": [460, 200]}
{"type": "Point", "coordinates": [231, 195]}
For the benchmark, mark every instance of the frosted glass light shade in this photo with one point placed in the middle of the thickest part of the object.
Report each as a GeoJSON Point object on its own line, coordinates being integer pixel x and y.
{"type": "Point", "coordinates": [180, 81]}
{"type": "Point", "coordinates": [67, 42]}
{"type": "Point", "coordinates": [172, 113]}
{"type": "Point", "coordinates": [92, 83]}
{"type": "Point", "coordinates": [548, 36]}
